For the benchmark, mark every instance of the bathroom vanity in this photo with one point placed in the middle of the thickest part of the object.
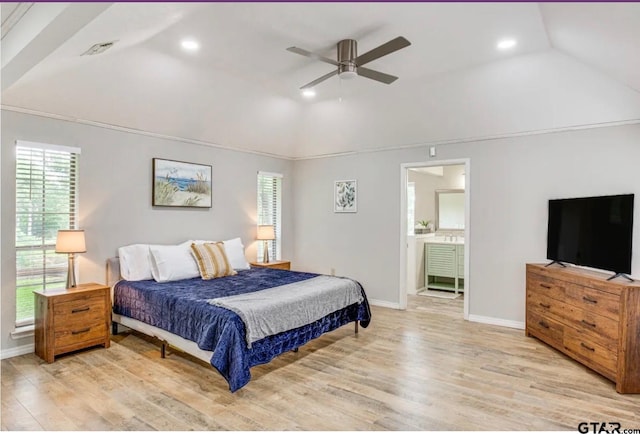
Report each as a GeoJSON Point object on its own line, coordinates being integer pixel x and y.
{"type": "Point", "coordinates": [444, 263]}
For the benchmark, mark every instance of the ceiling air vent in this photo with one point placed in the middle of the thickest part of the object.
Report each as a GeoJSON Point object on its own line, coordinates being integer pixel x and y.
{"type": "Point", "coordinates": [98, 48]}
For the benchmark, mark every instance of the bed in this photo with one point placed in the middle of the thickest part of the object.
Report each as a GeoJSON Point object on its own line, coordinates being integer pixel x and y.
{"type": "Point", "coordinates": [239, 321]}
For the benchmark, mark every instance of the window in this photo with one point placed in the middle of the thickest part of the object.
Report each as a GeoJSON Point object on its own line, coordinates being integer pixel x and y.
{"type": "Point", "coordinates": [46, 200]}
{"type": "Point", "coordinates": [270, 209]}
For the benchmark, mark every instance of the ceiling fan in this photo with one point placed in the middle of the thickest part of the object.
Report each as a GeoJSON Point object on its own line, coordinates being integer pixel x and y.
{"type": "Point", "coordinates": [349, 64]}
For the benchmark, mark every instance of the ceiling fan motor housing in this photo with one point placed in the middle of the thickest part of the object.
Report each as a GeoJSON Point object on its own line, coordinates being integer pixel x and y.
{"type": "Point", "coordinates": [347, 51]}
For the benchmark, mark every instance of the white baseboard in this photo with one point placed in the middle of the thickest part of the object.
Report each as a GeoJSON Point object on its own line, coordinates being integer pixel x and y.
{"type": "Point", "coordinates": [384, 303]}
{"type": "Point", "coordinates": [17, 351]}
{"type": "Point", "coordinates": [497, 321]}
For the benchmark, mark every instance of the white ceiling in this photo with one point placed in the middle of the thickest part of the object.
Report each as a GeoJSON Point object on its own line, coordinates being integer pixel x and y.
{"type": "Point", "coordinates": [574, 64]}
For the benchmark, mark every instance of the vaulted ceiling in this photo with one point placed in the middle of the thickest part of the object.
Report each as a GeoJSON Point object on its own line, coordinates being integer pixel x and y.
{"type": "Point", "coordinates": [574, 64]}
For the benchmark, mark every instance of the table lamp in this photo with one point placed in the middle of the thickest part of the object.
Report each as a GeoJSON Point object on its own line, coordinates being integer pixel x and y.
{"type": "Point", "coordinates": [71, 242]}
{"type": "Point", "coordinates": [266, 233]}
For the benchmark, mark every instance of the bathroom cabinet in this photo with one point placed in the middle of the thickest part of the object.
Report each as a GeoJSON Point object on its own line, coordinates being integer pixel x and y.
{"type": "Point", "coordinates": [444, 266]}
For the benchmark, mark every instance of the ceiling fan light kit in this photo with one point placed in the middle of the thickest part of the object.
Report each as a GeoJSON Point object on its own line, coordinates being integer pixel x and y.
{"type": "Point", "coordinates": [349, 64]}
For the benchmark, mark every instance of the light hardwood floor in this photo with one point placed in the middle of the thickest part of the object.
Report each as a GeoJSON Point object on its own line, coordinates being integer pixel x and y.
{"type": "Point", "coordinates": [422, 369]}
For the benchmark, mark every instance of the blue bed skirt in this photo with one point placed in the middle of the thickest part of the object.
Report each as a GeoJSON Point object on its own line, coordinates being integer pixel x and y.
{"type": "Point", "coordinates": [181, 308]}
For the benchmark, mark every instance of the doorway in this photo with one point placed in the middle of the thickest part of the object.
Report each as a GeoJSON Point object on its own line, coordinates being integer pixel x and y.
{"type": "Point", "coordinates": [435, 204]}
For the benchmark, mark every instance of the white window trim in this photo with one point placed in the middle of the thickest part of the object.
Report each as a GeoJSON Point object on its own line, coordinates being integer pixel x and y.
{"type": "Point", "coordinates": [48, 146]}
{"type": "Point", "coordinates": [23, 331]}
{"type": "Point", "coordinates": [272, 174]}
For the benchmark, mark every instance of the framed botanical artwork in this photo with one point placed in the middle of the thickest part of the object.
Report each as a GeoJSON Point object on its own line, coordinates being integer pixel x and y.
{"type": "Point", "coordinates": [345, 196]}
{"type": "Point", "coordinates": [181, 184]}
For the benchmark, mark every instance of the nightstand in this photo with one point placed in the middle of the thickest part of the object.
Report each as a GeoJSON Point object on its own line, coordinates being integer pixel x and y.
{"type": "Point", "coordinates": [71, 319]}
{"type": "Point", "coordinates": [282, 265]}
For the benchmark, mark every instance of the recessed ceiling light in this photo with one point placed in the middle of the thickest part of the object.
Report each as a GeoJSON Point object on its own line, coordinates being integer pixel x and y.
{"type": "Point", "coordinates": [505, 44]}
{"type": "Point", "coordinates": [309, 93]}
{"type": "Point", "coordinates": [190, 45]}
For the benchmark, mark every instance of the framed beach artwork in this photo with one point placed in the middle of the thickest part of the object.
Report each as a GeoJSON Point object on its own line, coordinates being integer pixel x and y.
{"type": "Point", "coordinates": [345, 196]}
{"type": "Point", "coordinates": [181, 184]}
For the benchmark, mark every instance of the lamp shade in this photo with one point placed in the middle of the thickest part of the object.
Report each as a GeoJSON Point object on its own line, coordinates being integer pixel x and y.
{"type": "Point", "coordinates": [70, 241]}
{"type": "Point", "coordinates": [266, 232]}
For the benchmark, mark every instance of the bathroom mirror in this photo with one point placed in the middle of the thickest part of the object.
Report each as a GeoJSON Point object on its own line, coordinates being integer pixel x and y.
{"type": "Point", "coordinates": [449, 210]}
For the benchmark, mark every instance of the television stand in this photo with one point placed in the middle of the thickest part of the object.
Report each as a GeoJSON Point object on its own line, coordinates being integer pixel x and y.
{"type": "Point", "coordinates": [556, 262]}
{"type": "Point", "coordinates": [621, 275]}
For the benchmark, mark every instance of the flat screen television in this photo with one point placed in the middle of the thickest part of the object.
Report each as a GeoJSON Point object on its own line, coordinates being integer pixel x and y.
{"type": "Point", "coordinates": [592, 231]}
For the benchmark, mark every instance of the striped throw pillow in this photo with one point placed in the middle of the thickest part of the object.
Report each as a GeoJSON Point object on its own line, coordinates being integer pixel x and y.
{"type": "Point", "coordinates": [212, 260]}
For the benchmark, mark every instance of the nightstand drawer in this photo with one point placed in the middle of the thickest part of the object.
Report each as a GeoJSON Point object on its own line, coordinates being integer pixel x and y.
{"type": "Point", "coordinates": [83, 311]}
{"type": "Point", "coordinates": [80, 334]}
{"type": "Point", "coordinates": [283, 266]}
{"type": "Point", "coordinates": [280, 265]}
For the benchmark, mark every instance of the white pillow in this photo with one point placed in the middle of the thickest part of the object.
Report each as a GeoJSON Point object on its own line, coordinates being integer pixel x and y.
{"type": "Point", "coordinates": [170, 263]}
{"type": "Point", "coordinates": [134, 262]}
{"type": "Point", "coordinates": [234, 249]}
{"type": "Point", "coordinates": [235, 254]}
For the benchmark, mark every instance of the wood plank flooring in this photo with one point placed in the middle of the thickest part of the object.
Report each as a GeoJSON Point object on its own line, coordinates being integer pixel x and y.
{"type": "Point", "coordinates": [421, 369]}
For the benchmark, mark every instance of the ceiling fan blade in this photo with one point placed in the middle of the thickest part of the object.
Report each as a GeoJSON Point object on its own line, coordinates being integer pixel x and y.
{"type": "Point", "coordinates": [384, 49]}
{"type": "Point", "coordinates": [306, 53]}
{"type": "Point", "coordinates": [319, 80]}
{"type": "Point", "coordinates": [376, 75]}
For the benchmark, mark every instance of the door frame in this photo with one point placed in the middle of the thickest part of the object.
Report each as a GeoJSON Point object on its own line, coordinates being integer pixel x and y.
{"type": "Point", "coordinates": [404, 176]}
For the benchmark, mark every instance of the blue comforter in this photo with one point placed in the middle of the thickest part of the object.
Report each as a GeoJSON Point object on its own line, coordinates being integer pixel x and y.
{"type": "Point", "coordinates": [181, 308]}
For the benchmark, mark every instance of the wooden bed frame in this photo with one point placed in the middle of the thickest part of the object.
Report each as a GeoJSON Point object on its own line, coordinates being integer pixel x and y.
{"type": "Point", "coordinates": [166, 338]}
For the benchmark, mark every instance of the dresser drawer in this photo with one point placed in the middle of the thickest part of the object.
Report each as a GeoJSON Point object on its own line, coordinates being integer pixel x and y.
{"type": "Point", "coordinates": [545, 285]}
{"type": "Point", "coordinates": [593, 300]}
{"type": "Point", "coordinates": [545, 328]}
{"type": "Point", "coordinates": [599, 329]}
{"type": "Point", "coordinates": [545, 306]}
{"type": "Point", "coordinates": [592, 354]}
{"type": "Point", "coordinates": [86, 311]}
{"type": "Point", "coordinates": [76, 336]}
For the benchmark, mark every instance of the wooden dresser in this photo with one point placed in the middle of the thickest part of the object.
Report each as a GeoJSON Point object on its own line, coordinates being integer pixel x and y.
{"type": "Point", "coordinates": [591, 320]}
{"type": "Point", "coordinates": [71, 319]}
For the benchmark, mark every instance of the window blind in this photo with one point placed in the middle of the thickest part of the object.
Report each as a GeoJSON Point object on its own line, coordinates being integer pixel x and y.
{"type": "Point", "coordinates": [270, 210]}
{"type": "Point", "coordinates": [46, 201]}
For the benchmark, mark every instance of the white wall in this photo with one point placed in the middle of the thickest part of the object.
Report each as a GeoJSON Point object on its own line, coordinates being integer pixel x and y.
{"type": "Point", "coordinates": [539, 91]}
{"type": "Point", "coordinates": [511, 181]}
{"type": "Point", "coordinates": [115, 197]}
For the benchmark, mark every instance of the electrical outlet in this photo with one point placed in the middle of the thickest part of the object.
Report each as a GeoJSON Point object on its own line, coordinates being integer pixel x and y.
{"type": "Point", "coordinates": [333, 271]}
{"type": "Point", "coordinates": [432, 151]}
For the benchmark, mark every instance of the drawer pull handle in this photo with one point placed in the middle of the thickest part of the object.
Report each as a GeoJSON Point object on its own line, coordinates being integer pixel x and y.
{"type": "Point", "coordinates": [590, 300]}
{"type": "Point", "coordinates": [590, 324]}
{"type": "Point", "coordinates": [544, 285]}
{"type": "Point", "coordinates": [546, 306]}
{"type": "Point", "coordinates": [77, 332]}
{"type": "Point", "coordinates": [81, 309]}
{"type": "Point", "coordinates": [543, 324]}
{"type": "Point", "coordinates": [583, 345]}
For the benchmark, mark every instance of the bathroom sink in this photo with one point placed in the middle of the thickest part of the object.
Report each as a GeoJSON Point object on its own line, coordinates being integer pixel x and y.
{"type": "Point", "coordinates": [445, 240]}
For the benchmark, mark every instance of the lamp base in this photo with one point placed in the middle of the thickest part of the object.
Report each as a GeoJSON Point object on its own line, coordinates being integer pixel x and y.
{"type": "Point", "coordinates": [71, 272]}
{"type": "Point", "coordinates": [265, 255]}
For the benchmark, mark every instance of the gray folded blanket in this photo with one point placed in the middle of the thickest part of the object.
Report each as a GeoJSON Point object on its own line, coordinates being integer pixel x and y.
{"type": "Point", "coordinates": [287, 307]}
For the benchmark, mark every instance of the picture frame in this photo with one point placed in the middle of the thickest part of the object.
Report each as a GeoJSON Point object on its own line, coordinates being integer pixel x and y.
{"type": "Point", "coordinates": [181, 184]}
{"type": "Point", "coordinates": [345, 196]}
